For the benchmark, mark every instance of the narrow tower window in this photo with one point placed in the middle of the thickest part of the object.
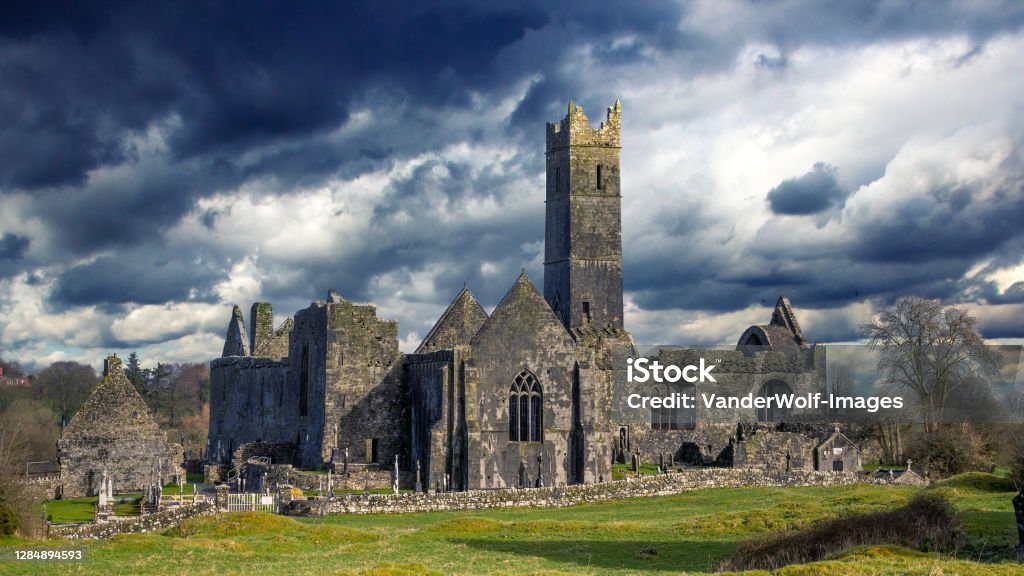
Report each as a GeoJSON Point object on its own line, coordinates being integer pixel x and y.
{"type": "Point", "coordinates": [304, 380]}
{"type": "Point", "coordinates": [599, 178]}
{"type": "Point", "coordinates": [586, 311]}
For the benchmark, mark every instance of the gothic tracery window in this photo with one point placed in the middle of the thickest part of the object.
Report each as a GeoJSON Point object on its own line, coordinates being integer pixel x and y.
{"type": "Point", "coordinates": [525, 409]}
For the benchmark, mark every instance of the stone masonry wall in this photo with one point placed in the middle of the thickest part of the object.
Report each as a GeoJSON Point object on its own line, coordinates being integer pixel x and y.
{"type": "Point", "coordinates": [148, 523]}
{"type": "Point", "coordinates": [583, 241]}
{"type": "Point", "coordinates": [251, 399]}
{"type": "Point", "coordinates": [114, 433]}
{"type": "Point", "coordinates": [562, 496]}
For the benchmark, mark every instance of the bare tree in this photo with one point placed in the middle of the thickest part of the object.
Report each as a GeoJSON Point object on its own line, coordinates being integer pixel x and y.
{"type": "Point", "coordinates": [66, 385]}
{"type": "Point", "coordinates": [930, 350]}
{"type": "Point", "coordinates": [839, 381]}
{"type": "Point", "coordinates": [13, 455]}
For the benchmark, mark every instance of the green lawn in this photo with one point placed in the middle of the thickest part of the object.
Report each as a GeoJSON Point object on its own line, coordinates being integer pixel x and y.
{"type": "Point", "coordinates": [66, 511]}
{"type": "Point", "coordinates": [84, 509]}
{"type": "Point", "coordinates": [663, 535]}
{"type": "Point", "coordinates": [620, 471]}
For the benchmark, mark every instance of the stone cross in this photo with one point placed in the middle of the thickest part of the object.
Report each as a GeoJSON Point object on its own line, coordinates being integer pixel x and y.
{"type": "Point", "coordinates": [419, 485]}
{"type": "Point", "coordinates": [330, 483]}
{"type": "Point", "coordinates": [394, 476]}
{"type": "Point", "coordinates": [344, 469]}
{"type": "Point", "coordinates": [540, 471]}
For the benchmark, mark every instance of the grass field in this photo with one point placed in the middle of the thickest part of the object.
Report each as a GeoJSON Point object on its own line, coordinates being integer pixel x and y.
{"type": "Point", "coordinates": [664, 535]}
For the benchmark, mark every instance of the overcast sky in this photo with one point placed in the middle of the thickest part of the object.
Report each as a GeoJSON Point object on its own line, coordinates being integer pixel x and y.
{"type": "Point", "coordinates": [161, 162]}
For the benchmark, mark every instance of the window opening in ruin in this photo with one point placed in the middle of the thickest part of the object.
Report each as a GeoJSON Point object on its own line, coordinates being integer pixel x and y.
{"type": "Point", "coordinates": [678, 418]}
{"type": "Point", "coordinates": [525, 409]}
{"type": "Point", "coordinates": [586, 311]}
{"type": "Point", "coordinates": [304, 381]}
{"type": "Point", "coordinates": [771, 389]}
{"type": "Point", "coordinates": [599, 173]}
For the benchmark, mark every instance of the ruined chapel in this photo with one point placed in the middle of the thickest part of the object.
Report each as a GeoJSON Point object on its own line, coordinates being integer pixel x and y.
{"type": "Point", "coordinates": [527, 395]}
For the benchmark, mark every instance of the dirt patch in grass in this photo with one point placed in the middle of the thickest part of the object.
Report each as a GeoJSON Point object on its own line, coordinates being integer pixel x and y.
{"type": "Point", "coordinates": [388, 569]}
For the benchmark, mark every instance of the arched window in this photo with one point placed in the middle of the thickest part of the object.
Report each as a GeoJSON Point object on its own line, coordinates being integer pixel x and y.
{"type": "Point", "coordinates": [773, 412]}
{"type": "Point", "coordinates": [525, 409]}
{"type": "Point", "coordinates": [679, 417]}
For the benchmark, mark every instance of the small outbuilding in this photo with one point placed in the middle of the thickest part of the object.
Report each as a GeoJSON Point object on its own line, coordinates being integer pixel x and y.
{"type": "Point", "coordinates": [837, 454]}
{"type": "Point", "coordinates": [114, 436]}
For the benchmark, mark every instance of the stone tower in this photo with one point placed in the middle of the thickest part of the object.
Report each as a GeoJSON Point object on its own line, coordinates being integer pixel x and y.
{"type": "Point", "coordinates": [583, 239]}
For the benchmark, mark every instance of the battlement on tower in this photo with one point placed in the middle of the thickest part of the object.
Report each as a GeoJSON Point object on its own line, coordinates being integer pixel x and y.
{"type": "Point", "coordinates": [575, 130]}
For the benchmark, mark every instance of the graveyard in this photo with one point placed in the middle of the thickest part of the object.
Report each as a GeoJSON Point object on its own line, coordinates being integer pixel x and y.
{"type": "Point", "coordinates": [687, 533]}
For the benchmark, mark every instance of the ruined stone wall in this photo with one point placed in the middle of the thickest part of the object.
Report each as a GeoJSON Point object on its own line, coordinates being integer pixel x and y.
{"type": "Point", "coordinates": [278, 453]}
{"type": "Point", "coordinates": [522, 334]}
{"type": "Point", "coordinates": [149, 523]}
{"type": "Point", "coordinates": [429, 379]}
{"type": "Point", "coordinates": [737, 374]}
{"type": "Point", "coordinates": [773, 450]}
{"type": "Point", "coordinates": [41, 489]}
{"type": "Point", "coordinates": [363, 397]}
{"type": "Point", "coordinates": [114, 432]}
{"type": "Point", "coordinates": [360, 477]}
{"type": "Point", "coordinates": [563, 496]}
{"type": "Point", "coordinates": [261, 328]}
{"type": "Point", "coordinates": [251, 399]}
{"type": "Point", "coordinates": [307, 378]}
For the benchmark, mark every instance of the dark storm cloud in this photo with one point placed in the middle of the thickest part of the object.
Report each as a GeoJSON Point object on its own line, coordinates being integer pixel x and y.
{"type": "Point", "coordinates": [143, 276]}
{"type": "Point", "coordinates": [814, 192]}
{"type": "Point", "coordinates": [13, 246]}
{"type": "Point", "coordinates": [118, 118]}
{"type": "Point", "coordinates": [238, 74]}
{"type": "Point", "coordinates": [948, 221]}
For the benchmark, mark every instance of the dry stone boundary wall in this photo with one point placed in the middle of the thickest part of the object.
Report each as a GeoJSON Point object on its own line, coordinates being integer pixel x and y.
{"type": "Point", "coordinates": [148, 523]}
{"type": "Point", "coordinates": [557, 497]}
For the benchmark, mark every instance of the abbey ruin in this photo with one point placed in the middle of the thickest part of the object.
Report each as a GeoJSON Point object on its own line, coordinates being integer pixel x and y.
{"type": "Point", "coordinates": [528, 395]}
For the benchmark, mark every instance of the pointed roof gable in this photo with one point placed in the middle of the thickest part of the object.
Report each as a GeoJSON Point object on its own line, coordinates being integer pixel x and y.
{"type": "Point", "coordinates": [835, 435]}
{"type": "Point", "coordinates": [457, 326]}
{"type": "Point", "coordinates": [784, 316]}
{"type": "Point", "coordinates": [782, 333]}
{"type": "Point", "coordinates": [523, 304]}
{"type": "Point", "coordinates": [236, 343]}
{"type": "Point", "coordinates": [114, 400]}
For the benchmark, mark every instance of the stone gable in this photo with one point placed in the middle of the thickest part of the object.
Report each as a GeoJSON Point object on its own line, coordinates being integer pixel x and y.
{"type": "Point", "coordinates": [115, 433]}
{"type": "Point", "coordinates": [457, 326]}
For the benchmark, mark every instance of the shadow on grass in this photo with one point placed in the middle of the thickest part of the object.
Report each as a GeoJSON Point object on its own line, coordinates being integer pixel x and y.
{"type": "Point", "coordinates": [648, 556]}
